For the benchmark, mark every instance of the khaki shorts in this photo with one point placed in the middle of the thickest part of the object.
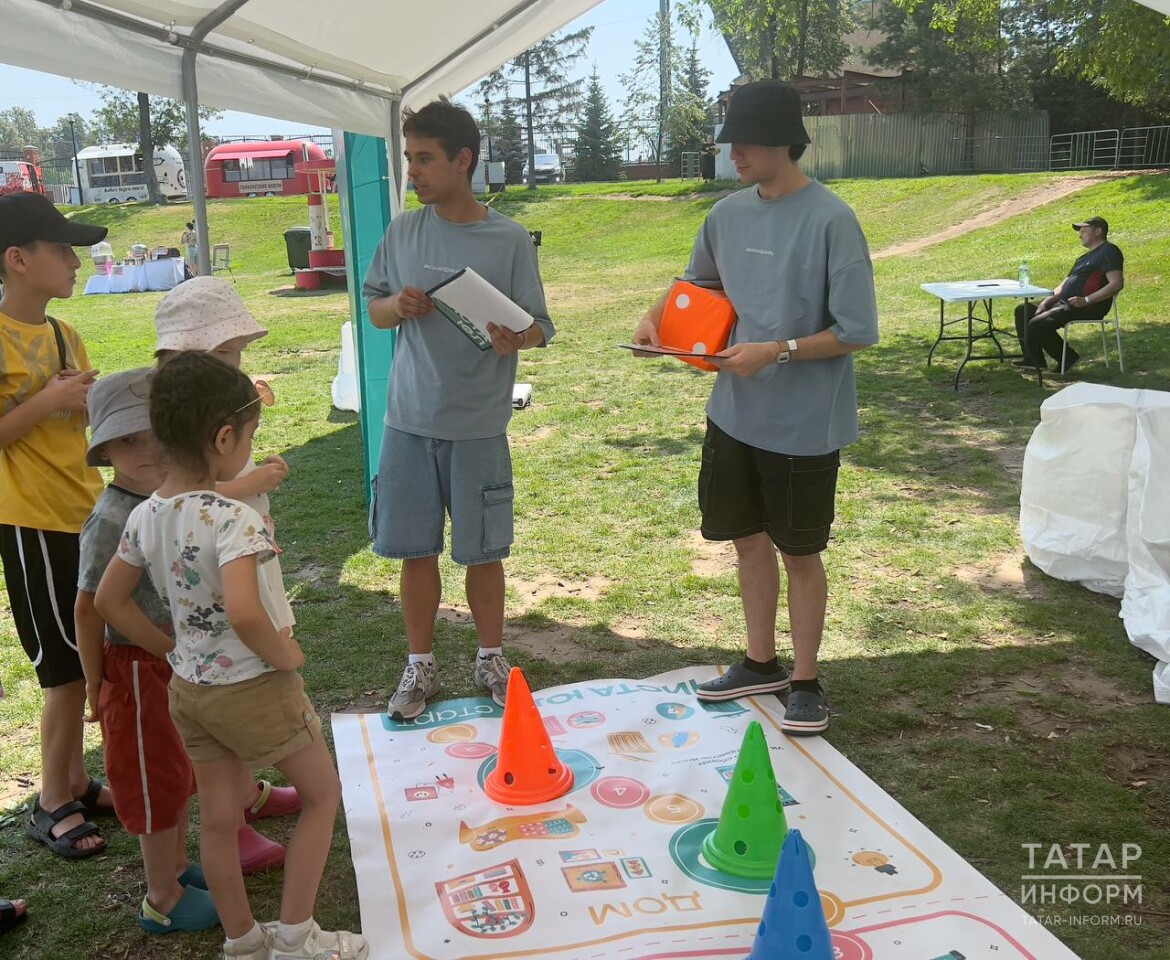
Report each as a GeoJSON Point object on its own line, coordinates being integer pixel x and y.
{"type": "Point", "coordinates": [260, 721]}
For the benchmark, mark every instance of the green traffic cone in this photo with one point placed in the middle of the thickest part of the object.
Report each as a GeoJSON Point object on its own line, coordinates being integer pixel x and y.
{"type": "Point", "coordinates": [752, 826]}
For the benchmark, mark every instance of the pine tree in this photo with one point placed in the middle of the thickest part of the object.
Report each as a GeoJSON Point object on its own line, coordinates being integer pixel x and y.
{"type": "Point", "coordinates": [542, 73]}
{"type": "Point", "coordinates": [688, 121]}
{"type": "Point", "coordinates": [647, 107]}
{"type": "Point", "coordinates": [597, 155]}
{"type": "Point", "coordinates": [508, 142]}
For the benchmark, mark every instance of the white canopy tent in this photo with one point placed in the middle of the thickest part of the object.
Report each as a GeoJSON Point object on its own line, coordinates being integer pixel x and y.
{"type": "Point", "coordinates": [349, 65]}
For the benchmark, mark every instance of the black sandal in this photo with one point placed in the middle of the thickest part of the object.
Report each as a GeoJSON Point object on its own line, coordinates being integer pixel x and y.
{"type": "Point", "coordinates": [9, 915]}
{"type": "Point", "coordinates": [40, 827]}
{"type": "Point", "coordinates": [90, 798]}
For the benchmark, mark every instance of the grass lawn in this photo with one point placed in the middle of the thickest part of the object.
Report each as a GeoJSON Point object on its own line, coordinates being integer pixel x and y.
{"type": "Point", "coordinates": [999, 706]}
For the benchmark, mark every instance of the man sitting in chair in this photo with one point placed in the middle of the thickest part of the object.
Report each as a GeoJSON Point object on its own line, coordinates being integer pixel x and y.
{"type": "Point", "coordinates": [1087, 293]}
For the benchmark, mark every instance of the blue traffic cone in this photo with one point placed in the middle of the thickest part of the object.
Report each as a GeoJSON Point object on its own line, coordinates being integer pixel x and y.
{"type": "Point", "coordinates": [793, 926]}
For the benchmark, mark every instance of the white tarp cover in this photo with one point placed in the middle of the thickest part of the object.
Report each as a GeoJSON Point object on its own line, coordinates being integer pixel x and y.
{"type": "Point", "coordinates": [1145, 608]}
{"type": "Point", "coordinates": [1074, 495]}
{"type": "Point", "coordinates": [379, 46]}
{"type": "Point", "coordinates": [1095, 504]}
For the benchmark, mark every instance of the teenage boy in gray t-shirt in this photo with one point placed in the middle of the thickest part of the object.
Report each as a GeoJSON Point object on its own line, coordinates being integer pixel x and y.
{"type": "Point", "coordinates": [445, 447]}
{"type": "Point", "coordinates": [793, 260]}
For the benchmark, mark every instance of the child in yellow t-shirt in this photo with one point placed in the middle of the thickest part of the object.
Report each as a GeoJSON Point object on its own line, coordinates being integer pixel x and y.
{"type": "Point", "coordinates": [46, 493]}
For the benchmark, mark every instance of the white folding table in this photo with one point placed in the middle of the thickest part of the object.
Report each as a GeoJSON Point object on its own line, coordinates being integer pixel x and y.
{"type": "Point", "coordinates": [164, 274]}
{"type": "Point", "coordinates": [972, 328]}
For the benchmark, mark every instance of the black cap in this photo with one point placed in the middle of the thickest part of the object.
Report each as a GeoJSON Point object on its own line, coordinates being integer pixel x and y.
{"type": "Point", "coordinates": [765, 112]}
{"type": "Point", "coordinates": [26, 217]}
{"type": "Point", "coordinates": [1093, 222]}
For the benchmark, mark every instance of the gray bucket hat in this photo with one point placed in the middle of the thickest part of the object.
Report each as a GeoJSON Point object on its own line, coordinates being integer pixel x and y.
{"type": "Point", "coordinates": [119, 405]}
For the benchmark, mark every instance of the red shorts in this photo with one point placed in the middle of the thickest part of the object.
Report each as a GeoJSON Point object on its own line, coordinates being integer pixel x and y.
{"type": "Point", "coordinates": [146, 765]}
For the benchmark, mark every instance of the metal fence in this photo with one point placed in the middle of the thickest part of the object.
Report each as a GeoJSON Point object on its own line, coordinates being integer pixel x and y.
{"type": "Point", "coordinates": [1125, 148]}
{"type": "Point", "coordinates": [907, 145]}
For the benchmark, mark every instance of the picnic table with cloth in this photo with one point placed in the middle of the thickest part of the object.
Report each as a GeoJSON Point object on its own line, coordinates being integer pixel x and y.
{"type": "Point", "coordinates": [164, 274]}
{"type": "Point", "coordinates": [970, 328]}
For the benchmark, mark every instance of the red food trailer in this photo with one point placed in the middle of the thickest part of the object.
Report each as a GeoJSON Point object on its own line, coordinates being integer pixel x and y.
{"type": "Point", "coordinates": [261, 169]}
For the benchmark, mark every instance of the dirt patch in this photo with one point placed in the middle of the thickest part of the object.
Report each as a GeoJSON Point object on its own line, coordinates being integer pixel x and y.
{"type": "Point", "coordinates": [1136, 767]}
{"type": "Point", "coordinates": [532, 593]}
{"type": "Point", "coordinates": [556, 644]}
{"type": "Point", "coordinates": [1022, 694]}
{"type": "Point", "coordinates": [310, 573]}
{"type": "Point", "coordinates": [1030, 200]}
{"type": "Point", "coordinates": [538, 435]}
{"type": "Point", "coordinates": [1012, 571]}
{"type": "Point", "coordinates": [712, 558]}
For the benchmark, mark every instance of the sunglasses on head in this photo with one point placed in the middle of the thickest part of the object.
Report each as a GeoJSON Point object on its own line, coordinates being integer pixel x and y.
{"type": "Point", "coordinates": [264, 396]}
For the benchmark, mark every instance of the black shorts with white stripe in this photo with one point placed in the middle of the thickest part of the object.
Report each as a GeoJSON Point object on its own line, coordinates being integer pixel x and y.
{"type": "Point", "coordinates": [40, 572]}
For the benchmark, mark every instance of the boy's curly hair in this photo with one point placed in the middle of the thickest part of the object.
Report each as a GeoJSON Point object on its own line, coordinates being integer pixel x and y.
{"type": "Point", "coordinates": [192, 396]}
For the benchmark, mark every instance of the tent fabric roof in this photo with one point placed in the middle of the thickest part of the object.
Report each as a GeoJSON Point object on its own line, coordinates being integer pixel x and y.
{"type": "Point", "coordinates": [336, 65]}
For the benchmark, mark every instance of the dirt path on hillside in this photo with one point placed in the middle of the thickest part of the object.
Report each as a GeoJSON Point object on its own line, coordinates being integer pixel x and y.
{"type": "Point", "coordinates": [1029, 200]}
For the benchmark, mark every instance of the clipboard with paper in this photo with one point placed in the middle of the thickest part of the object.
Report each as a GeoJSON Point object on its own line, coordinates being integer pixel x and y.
{"type": "Point", "coordinates": [469, 302]}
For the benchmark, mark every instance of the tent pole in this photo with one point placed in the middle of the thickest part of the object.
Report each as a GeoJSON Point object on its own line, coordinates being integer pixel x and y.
{"type": "Point", "coordinates": [195, 182]}
{"type": "Point", "coordinates": [398, 184]}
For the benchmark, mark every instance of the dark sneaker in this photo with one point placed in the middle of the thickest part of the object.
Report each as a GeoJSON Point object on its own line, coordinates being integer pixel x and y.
{"type": "Point", "coordinates": [419, 681]}
{"type": "Point", "coordinates": [739, 681]}
{"type": "Point", "coordinates": [1030, 364]}
{"type": "Point", "coordinates": [807, 714]}
{"type": "Point", "coordinates": [491, 673]}
{"type": "Point", "coordinates": [1070, 362]}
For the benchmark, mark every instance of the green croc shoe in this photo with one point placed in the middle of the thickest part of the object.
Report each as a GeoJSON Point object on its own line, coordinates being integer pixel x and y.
{"type": "Point", "coordinates": [195, 911]}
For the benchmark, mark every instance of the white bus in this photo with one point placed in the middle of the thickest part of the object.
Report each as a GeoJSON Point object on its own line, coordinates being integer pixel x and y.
{"type": "Point", "coordinates": [113, 173]}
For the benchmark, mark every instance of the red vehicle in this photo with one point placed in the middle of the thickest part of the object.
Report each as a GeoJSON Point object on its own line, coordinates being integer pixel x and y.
{"type": "Point", "coordinates": [262, 169]}
{"type": "Point", "coordinates": [22, 174]}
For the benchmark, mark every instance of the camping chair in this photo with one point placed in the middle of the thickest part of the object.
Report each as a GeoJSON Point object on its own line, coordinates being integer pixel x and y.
{"type": "Point", "coordinates": [1103, 323]}
{"type": "Point", "coordinates": [221, 259]}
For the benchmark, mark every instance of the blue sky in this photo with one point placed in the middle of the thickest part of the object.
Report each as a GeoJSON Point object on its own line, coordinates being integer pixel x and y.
{"type": "Point", "coordinates": [617, 24]}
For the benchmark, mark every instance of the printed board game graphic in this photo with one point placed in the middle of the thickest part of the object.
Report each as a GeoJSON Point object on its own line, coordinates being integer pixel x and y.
{"type": "Point", "coordinates": [616, 867]}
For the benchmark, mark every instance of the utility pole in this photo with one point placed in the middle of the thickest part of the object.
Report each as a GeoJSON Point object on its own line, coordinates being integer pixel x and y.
{"type": "Point", "coordinates": [76, 162]}
{"type": "Point", "coordinates": [664, 58]}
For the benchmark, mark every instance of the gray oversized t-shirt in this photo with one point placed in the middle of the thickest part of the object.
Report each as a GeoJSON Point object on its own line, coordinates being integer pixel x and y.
{"type": "Point", "coordinates": [99, 544]}
{"type": "Point", "coordinates": [441, 384]}
{"type": "Point", "coordinates": [776, 260]}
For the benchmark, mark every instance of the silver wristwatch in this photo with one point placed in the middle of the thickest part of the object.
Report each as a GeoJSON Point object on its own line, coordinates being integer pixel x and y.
{"type": "Point", "coordinates": [786, 351]}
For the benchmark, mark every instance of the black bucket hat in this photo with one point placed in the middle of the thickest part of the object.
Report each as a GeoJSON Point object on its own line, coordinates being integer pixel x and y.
{"type": "Point", "coordinates": [765, 112]}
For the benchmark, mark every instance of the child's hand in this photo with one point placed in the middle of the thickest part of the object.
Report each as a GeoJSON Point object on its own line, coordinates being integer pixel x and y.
{"type": "Point", "coordinates": [292, 657]}
{"type": "Point", "coordinates": [93, 691]}
{"type": "Point", "coordinates": [270, 474]}
{"type": "Point", "coordinates": [68, 390]}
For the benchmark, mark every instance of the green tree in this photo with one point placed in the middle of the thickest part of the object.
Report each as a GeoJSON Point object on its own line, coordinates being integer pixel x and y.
{"type": "Point", "coordinates": [779, 39]}
{"type": "Point", "coordinates": [1117, 45]}
{"type": "Point", "coordinates": [151, 122]}
{"type": "Point", "coordinates": [541, 75]}
{"type": "Point", "coordinates": [18, 128]}
{"type": "Point", "coordinates": [649, 86]}
{"type": "Point", "coordinates": [508, 142]}
{"type": "Point", "coordinates": [689, 119]}
{"type": "Point", "coordinates": [596, 155]}
{"type": "Point", "coordinates": [959, 68]}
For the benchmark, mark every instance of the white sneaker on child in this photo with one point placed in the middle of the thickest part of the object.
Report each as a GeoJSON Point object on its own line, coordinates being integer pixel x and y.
{"type": "Point", "coordinates": [323, 945]}
{"type": "Point", "coordinates": [261, 952]}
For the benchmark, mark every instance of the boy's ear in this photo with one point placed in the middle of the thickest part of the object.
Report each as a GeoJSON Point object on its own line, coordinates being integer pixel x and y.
{"type": "Point", "coordinates": [100, 453]}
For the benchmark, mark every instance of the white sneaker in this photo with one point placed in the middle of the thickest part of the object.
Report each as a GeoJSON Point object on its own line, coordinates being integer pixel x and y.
{"type": "Point", "coordinates": [323, 945]}
{"type": "Point", "coordinates": [419, 681]}
{"type": "Point", "coordinates": [492, 674]}
{"type": "Point", "coordinates": [262, 952]}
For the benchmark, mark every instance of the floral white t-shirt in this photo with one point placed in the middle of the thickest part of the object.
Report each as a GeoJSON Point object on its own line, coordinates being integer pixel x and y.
{"type": "Point", "coordinates": [182, 542]}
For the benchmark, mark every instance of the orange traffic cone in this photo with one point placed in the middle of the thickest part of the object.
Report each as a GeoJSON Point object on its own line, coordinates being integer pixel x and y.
{"type": "Point", "coordinates": [528, 770]}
